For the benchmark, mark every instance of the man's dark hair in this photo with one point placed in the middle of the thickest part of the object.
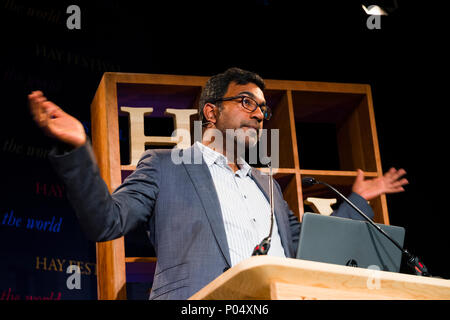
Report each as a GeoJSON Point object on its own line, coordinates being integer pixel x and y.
{"type": "Point", "coordinates": [216, 87]}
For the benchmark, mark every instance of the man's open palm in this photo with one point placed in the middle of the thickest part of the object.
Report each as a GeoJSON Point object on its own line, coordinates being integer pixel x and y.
{"type": "Point", "coordinates": [390, 182]}
{"type": "Point", "coordinates": [54, 121]}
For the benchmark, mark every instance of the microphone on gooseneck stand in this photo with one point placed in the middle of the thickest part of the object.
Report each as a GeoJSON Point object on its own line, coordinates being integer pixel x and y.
{"type": "Point", "coordinates": [413, 261]}
{"type": "Point", "coordinates": [262, 248]}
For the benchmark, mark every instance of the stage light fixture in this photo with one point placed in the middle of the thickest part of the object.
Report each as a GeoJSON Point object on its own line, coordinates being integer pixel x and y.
{"type": "Point", "coordinates": [374, 10]}
{"type": "Point", "coordinates": [379, 7]}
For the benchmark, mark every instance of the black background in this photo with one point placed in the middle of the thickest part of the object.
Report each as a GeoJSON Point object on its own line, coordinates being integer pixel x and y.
{"type": "Point", "coordinates": [404, 62]}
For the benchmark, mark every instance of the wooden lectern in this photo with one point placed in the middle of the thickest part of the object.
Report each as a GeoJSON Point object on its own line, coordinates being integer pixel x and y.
{"type": "Point", "coordinates": [266, 277]}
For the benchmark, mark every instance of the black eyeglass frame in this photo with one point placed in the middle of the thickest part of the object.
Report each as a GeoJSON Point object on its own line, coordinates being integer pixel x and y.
{"type": "Point", "coordinates": [267, 112]}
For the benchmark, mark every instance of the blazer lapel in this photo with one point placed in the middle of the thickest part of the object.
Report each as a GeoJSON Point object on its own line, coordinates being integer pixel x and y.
{"type": "Point", "coordinates": [203, 183]}
{"type": "Point", "coordinates": [282, 223]}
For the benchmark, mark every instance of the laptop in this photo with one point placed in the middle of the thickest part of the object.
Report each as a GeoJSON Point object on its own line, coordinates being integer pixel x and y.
{"type": "Point", "coordinates": [349, 242]}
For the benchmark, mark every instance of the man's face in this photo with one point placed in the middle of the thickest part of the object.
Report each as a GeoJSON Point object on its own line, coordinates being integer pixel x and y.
{"type": "Point", "coordinates": [234, 116]}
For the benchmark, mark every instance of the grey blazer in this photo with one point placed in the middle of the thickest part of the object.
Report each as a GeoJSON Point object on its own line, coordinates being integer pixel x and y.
{"type": "Point", "coordinates": [179, 205]}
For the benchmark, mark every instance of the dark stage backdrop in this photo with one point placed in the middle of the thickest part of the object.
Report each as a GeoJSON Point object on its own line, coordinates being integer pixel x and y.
{"type": "Point", "coordinates": [39, 234]}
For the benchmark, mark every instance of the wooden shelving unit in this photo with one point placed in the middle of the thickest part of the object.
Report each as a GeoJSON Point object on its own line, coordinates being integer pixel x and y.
{"type": "Point", "coordinates": [345, 110]}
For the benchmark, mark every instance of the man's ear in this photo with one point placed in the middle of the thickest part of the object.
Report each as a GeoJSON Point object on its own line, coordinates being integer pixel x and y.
{"type": "Point", "coordinates": [209, 113]}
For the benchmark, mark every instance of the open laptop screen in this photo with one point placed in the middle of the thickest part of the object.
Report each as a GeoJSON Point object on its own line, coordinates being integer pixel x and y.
{"type": "Point", "coordinates": [349, 242]}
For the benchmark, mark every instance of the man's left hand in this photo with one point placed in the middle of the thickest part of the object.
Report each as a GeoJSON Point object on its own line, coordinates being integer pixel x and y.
{"type": "Point", "coordinates": [391, 182]}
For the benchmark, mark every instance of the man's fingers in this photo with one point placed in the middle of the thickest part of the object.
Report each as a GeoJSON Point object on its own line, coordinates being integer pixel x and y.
{"type": "Point", "coordinates": [400, 173]}
{"type": "Point", "coordinates": [359, 175]}
{"type": "Point", "coordinates": [35, 94]}
{"type": "Point", "coordinates": [51, 109]}
{"type": "Point", "coordinates": [394, 174]}
{"type": "Point", "coordinates": [42, 109]}
{"type": "Point", "coordinates": [400, 183]}
{"type": "Point", "coordinates": [396, 190]}
{"type": "Point", "coordinates": [35, 97]}
{"type": "Point", "coordinates": [390, 173]}
{"type": "Point", "coordinates": [35, 101]}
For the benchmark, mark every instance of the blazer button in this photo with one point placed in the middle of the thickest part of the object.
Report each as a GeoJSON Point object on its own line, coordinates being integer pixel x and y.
{"type": "Point", "coordinates": [225, 269]}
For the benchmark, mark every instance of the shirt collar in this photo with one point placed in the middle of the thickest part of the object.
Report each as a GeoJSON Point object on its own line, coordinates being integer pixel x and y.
{"type": "Point", "coordinates": [211, 156]}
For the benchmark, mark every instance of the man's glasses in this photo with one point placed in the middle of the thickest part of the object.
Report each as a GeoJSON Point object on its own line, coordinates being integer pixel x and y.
{"type": "Point", "coordinates": [250, 105]}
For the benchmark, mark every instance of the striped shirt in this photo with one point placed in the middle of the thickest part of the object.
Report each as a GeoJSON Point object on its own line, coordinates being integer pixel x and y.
{"type": "Point", "coordinates": [245, 209]}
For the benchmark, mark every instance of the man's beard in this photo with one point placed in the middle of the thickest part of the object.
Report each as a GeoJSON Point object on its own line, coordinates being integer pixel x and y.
{"type": "Point", "coordinates": [241, 143]}
{"type": "Point", "coordinates": [237, 142]}
{"type": "Point", "coordinates": [246, 138]}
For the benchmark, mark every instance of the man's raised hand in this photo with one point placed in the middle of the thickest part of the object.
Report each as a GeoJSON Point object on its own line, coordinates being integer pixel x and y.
{"type": "Point", "coordinates": [390, 182]}
{"type": "Point", "coordinates": [54, 121]}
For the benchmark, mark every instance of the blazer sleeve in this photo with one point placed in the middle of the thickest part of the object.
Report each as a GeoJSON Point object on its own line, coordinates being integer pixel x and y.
{"type": "Point", "coordinates": [346, 211]}
{"type": "Point", "coordinates": [104, 216]}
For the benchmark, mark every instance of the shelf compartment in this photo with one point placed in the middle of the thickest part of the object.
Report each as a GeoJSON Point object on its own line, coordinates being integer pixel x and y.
{"type": "Point", "coordinates": [278, 100]}
{"type": "Point", "coordinates": [340, 132]}
{"type": "Point", "coordinates": [342, 181]}
{"type": "Point", "coordinates": [159, 97]}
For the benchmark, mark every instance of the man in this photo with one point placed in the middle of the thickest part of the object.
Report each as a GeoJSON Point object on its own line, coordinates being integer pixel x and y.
{"type": "Point", "coordinates": [202, 218]}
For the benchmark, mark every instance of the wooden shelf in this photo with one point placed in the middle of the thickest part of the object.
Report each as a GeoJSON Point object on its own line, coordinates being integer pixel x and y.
{"type": "Point", "coordinates": [279, 171]}
{"type": "Point", "coordinates": [140, 259]}
{"type": "Point", "coordinates": [336, 177]}
{"type": "Point", "coordinates": [347, 107]}
{"type": "Point", "coordinates": [127, 168]}
{"type": "Point", "coordinates": [336, 173]}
